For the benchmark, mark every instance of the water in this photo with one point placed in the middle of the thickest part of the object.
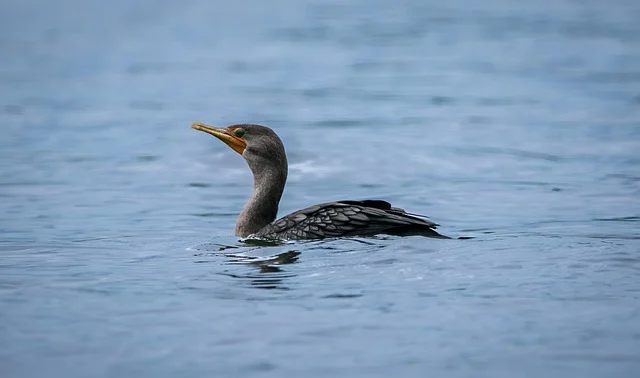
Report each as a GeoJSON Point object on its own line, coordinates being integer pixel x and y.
{"type": "Point", "coordinates": [518, 124]}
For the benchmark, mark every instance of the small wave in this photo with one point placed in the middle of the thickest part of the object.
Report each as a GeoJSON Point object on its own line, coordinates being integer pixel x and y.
{"type": "Point", "coordinates": [618, 219]}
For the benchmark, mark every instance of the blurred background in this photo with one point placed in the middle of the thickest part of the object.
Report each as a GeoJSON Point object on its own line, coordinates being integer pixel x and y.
{"type": "Point", "coordinates": [514, 122]}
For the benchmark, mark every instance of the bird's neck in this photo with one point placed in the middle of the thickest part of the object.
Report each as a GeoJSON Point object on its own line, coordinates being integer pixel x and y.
{"type": "Point", "coordinates": [262, 208]}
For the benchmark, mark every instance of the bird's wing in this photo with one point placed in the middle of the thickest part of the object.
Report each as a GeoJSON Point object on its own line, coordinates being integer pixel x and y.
{"type": "Point", "coordinates": [346, 218]}
{"type": "Point", "coordinates": [386, 206]}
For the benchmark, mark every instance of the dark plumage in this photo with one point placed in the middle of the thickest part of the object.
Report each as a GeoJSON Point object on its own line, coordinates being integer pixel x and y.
{"type": "Point", "coordinates": [348, 218]}
{"type": "Point", "coordinates": [264, 152]}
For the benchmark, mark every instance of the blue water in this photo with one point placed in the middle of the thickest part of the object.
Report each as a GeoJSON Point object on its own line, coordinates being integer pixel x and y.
{"type": "Point", "coordinates": [517, 123]}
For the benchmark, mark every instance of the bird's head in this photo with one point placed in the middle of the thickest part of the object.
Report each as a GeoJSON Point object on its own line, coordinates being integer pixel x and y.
{"type": "Point", "coordinates": [259, 145]}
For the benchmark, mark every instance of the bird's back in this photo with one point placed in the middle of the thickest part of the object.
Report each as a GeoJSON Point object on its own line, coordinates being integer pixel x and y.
{"type": "Point", "coordinates": [348, 218]}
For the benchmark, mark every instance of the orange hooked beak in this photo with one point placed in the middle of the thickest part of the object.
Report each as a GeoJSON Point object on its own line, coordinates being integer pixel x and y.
{"type": "Point", "coordinates": [224, 134]}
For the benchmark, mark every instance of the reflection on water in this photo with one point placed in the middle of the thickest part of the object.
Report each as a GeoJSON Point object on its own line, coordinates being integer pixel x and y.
{"type": "Point", "coordinates": [268, 263]}
{"type": "Point", "coordinates": [268, 258]}
{"type": "Point", "coordinates": [271, 276]}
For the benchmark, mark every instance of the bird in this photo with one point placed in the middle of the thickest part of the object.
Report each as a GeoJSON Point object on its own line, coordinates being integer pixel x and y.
{"type": "Point", "coordinates": [264, 152]}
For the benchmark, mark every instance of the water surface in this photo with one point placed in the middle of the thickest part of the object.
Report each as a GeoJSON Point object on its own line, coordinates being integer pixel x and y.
{"type": "Point", "coordinates": [517, 124]}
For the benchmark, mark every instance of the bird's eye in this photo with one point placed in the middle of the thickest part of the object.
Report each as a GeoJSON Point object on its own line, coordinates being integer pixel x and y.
{"type": "Point", "coordinates": [239, 133]}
